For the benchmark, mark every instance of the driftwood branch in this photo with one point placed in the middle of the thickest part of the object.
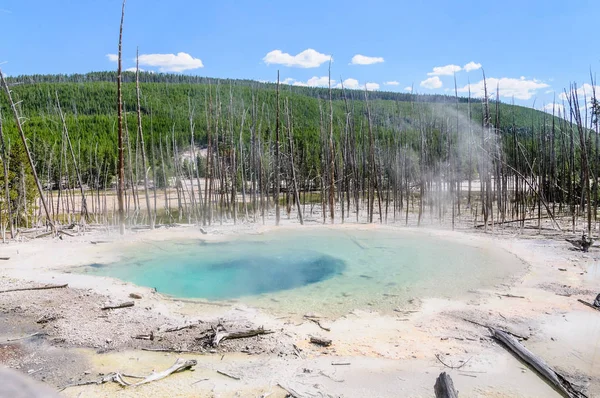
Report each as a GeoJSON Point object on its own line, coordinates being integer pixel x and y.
{"type": "Point", "coordinates": [122, 305]}
{"type": "Point", "coordinates": [116, 377]}
{"type": "Point", "coordinates": [172, 350]}
{"type": "Point", "coordinates": [22, 289]}
{"type": "Point", "coordinates": [181, 327]}
{"type": "Point", "coordinates": [317, 322]}
{"type": "Point", "coordinates": [237, 334]}
{"type": "Point", "coordinates": [444, 387]}
{"type": "Point", "coordinates": [228, 375]}
{"type": "Point", "coordinates": [439, 358]}
{"type": "Point", "coordinates": [589, 304]}
{"type": "Point", "coordinates": [320, 341]}
{"type": "Point", "coordinates": [555, 379]}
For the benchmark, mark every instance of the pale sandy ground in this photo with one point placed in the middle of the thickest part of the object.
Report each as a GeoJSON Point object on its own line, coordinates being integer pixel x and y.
{"type": "Point", "coordinates": [390, 355]}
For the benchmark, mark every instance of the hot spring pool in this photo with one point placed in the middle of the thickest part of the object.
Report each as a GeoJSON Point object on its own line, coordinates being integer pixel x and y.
{"type": "Point", "coordinates": [315, 269]}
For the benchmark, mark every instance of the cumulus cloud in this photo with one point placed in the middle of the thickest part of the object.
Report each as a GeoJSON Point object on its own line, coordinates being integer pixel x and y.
{"type": "Point", "coordinates": [112, 57]}
{"type": "Point", "coordinates": [409, 89]}
{"type": "Point", "coordinates": [351, 84]}
{"type": "Point", "coordinates": [432, 83]}
{"type": "Point", "coordinates": [359, 59]}
{"type": "Point", "coordinates": [521, 88]}
{"type": "Point", "coordinates": [447, 70]}
{"type": "Point", "coordinates": [392, 83]}
{"type": "Point", "coordinates": [314, 81]}
{"type": "Point", "coordinates": [179, 62]}
{"type": "Point", "coordinates": [471, 66]}
{"type": "Point", "coordinates": [308, 58]}
{"type": "Point", "coordinates": [584, 91]}
{"type": "Point", "coordinates": [554, 108]}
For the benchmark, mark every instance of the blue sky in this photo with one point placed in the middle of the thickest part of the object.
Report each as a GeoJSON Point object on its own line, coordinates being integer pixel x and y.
{"type": "Point", "coordinates": [530, 48]}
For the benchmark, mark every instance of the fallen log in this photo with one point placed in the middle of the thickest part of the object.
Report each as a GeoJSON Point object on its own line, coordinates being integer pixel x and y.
{"type": "Point", "coordinates": [490, 327]}
{"type": "Point", "coordinates": [122, 305]}
{"type": "Point", "coordinates": [179, 366]}
{"type": "Point", "coordinates": [589, 304]}
{"type": "Point", "coordinates": [22, 289]}
{"type": "Point", "coordinates": [555, 379]}
{"type": "Point", "coordinates": [116, 377]}
{"type": "Point", "coordinates": [237, 334]}
{"type": "Point", "coordinates": [320, 341]}
{"type": "Point", "coordinates": [5, 258]}
{"type": "Point", "coordinates": [444, 387]}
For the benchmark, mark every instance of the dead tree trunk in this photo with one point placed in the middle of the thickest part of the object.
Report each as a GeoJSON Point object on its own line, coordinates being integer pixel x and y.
{"type": "Point", "coordinates": [4, 159]}
{"type": "Point", "coordinates": [141, 138]}
{"type": "Point", "coordinates": [22, 134]}
{"type": "Point", "coordinates": [277, 165]}
{"type": "Point", "coordinates": [121, 166]}
{"type": "Point", "coordinates": [84, 209]}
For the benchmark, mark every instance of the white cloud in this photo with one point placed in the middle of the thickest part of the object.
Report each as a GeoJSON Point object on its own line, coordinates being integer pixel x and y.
{"type": "Point", "coordinates": [314, 81]}
{"type": "Point", "coordinates": [522, 88]}
{"type": "Point", "coordinates": [471, 66]}
{"type": "Point", "coordinates": [432, 82]}
{"type": "Point", "coordinates": [554, 108]}
{"type": "Point", "coordinates": [359, 59]}
{"type": "Point", "coordinates": [112, 57]}
{"type": "Point", "coordinates": [409, 89]}
{"type": "Point", "coordinates": [132, 69]}
{"type": "Point", "coordinates": [351, 84]}
{"type": "Point", "coordinates": [585, 91]}
{"type": "Point", "coordinates": [447, 70]}
{"type": "Point", "coordinates": [392, 83]}
{"type": "Point", "coordinates": [308, 58]}
{"type": "Point", "coordinates": [171, 62]}
{"type": "Point", "coordinates": [319, 81]}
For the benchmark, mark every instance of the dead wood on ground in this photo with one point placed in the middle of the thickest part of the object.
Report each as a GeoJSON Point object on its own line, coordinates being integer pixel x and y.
{"type": "Point", "coordinates": [116, 377]}
{"type": "Point", "coordinates": [444, 387]}
{"type": "Point", "coordinates": [555, 379]}
{"type": "Point", "coordinates": [22, 289]}
{"type": "Point", "coordinates": [122, 305]}
{"type": "Point", "coordinates": [320, 341]}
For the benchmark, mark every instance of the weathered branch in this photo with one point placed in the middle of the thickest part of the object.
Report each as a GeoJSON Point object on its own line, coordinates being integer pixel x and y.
{"type": "Point", "coordinates": [22, 289]}
{"type": "Point", "coordinates": [122, 305]}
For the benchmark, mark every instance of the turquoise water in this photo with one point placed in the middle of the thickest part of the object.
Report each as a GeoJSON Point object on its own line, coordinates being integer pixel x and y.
{"type": "Point", "coordinates": [317, 269]}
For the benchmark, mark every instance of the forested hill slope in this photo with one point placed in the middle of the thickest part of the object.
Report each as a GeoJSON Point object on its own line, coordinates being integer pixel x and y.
{"type": "Point", "coordinates": [169, 102]}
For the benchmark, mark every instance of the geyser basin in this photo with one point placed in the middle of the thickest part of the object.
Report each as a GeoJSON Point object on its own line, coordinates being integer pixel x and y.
{"type": "Point", "coordinates": [314, 269]}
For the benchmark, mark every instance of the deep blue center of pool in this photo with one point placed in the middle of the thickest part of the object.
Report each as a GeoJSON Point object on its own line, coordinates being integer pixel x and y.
{"type": "Point", "coordinates": [223, 270]}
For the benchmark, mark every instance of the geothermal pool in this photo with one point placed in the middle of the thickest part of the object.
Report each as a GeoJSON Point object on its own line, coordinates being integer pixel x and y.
{"type": "Point", "coordinates": [330, 271]}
